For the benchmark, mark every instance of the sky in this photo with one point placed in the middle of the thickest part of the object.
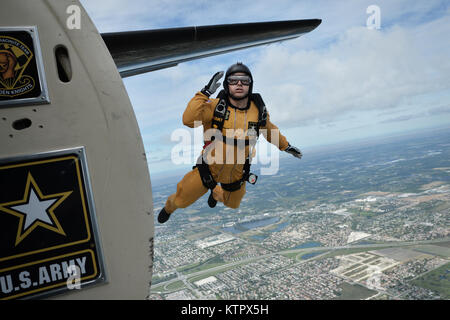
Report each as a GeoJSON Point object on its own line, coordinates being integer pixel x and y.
{"type": "Point", "coordinates": [340, 82]}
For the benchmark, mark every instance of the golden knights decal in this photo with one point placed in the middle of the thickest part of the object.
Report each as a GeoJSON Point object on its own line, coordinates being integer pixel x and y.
{"type": "Point", "coordinates": [48, 232]}
{"type": "Point", "coordinates": [20, 67]}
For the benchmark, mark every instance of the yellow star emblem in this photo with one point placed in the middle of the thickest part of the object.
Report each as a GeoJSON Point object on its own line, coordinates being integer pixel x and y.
{"type": "Point", "coordinates": [35, 209]}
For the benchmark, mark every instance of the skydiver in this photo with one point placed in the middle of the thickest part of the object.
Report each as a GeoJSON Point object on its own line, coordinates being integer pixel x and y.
{"type": "Point", "coordinates": [238, 115]}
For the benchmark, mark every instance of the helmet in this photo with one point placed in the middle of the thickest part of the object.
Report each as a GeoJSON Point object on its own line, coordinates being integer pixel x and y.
{"type": "Point", "coordinates": [238, 67]}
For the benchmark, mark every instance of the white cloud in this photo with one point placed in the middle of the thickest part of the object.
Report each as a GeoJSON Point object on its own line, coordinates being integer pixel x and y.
{"type": "Point", "coordinates": [363, 69]}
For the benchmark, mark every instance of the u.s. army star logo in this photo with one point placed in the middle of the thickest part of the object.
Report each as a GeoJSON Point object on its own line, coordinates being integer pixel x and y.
{"type": "Point", "coordinates": [47, 224]}
{"type": "Point", "coordinates": [35, 209]}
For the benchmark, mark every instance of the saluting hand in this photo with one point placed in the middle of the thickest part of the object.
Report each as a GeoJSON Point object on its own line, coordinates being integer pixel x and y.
{"type": "Point", "coordinates": [213, 84]}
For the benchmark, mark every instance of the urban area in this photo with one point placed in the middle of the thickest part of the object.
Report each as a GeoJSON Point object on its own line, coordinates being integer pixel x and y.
{"type": "Point", "coordinates": [370, 220]}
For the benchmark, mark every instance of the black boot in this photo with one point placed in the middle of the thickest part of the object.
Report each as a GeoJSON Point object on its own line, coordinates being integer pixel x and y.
{"type": "Point", "coordinates": [163, 216]}
{"type": "Point", "coordinates": [211, 201]}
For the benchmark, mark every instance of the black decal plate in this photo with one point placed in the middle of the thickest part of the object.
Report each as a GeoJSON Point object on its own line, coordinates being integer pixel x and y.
{"type": "Point", "coordinates": [49, 241]}
{"type": "Point", "coordinates": [22, 79]}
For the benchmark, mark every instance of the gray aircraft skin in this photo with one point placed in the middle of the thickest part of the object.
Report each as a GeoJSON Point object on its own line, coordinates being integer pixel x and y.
{"type": "Point", "coordinates": [78, 132]}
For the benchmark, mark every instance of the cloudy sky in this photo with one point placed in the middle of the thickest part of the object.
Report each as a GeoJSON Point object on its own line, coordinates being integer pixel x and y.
{"type": "Point", "coordinates": [343, 81]}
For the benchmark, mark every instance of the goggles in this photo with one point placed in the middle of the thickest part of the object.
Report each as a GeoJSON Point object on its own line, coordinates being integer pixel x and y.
{"type": "Point", "coordinates": [245, 80]}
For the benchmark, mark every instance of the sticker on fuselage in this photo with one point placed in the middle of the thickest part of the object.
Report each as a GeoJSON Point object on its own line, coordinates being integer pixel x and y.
{"type": "Point", "coordinates": [22, 79]}
{"type": "Point", "coordinates": [49, 241]}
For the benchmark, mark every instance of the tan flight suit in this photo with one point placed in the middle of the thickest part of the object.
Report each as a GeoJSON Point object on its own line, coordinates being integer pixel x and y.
{"type": "Point", "coordinates": [224, 166]}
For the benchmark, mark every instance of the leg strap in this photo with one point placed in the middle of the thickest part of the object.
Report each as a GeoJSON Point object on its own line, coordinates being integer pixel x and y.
{"type": "Point", "coordinates": [205, 174]}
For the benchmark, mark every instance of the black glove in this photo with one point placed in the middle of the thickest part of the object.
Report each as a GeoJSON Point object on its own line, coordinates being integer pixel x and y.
{"type": "Point", "coordinates": [294, 151]}
{"type": "Point", "coordinates": [212, 85]}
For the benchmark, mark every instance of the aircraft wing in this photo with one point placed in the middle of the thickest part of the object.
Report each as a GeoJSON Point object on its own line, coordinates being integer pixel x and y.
{"type": "Point", "coordinates": [136, 52]}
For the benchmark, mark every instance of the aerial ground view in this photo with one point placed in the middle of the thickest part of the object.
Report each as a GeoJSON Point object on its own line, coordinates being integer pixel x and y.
{"type": "Point", "coordinates": [363, 220]}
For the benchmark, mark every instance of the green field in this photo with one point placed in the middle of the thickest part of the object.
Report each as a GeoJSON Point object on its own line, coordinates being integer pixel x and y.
{"type": "Point", "coordinates": [434, 250]}
{"type": "Point", "coordinates": [175, 286]}
{"type": "Point", "coordinates": [196, 267]}
{"type": "Point", "coordinates": [354, 292]}
{"type": "Point", "coordinates": [198, 234]}
{"type": "Point", "coordinates": [290, 255]}
{"type": "Point", "coordinates": [437, 280]}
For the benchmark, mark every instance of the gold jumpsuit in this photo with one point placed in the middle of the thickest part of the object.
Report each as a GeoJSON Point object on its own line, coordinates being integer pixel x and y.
{"type": "Point", "coordinates": [226, 166]}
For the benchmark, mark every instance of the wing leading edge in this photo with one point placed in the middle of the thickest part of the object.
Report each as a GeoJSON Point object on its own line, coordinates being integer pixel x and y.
{"type": "Point", "coordinates": [136, 52]}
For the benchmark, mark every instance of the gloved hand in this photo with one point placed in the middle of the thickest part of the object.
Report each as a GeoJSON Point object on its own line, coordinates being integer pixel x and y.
{"type": "Point", "coordinates": [294, 151]}
{"type": "Point", "coordinates": [212, 85]}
